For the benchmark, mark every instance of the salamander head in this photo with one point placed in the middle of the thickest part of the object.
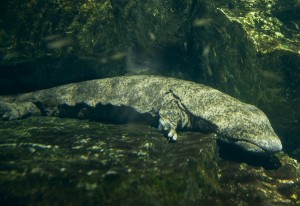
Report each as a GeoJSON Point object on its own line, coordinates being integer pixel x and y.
{"type": "Point", "coordinates": [249, 128]}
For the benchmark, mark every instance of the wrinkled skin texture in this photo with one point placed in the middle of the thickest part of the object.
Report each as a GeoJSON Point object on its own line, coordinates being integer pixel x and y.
{"type": "Point", "coordinates": [177, 103]}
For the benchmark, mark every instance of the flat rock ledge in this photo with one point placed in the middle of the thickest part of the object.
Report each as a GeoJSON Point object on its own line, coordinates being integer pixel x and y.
{"type": "Point", "coordinates": [56, 161]}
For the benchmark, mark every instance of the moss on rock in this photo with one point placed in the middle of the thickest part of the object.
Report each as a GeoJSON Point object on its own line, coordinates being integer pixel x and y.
{"type": "Point", "coordinates": [48, 160]}
{"type": "Point", "coordinates": [253, 55]}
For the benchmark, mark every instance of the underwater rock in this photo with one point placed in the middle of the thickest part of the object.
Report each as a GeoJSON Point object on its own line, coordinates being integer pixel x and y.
{"type": "Point", "coordinates": [48, 160]}
{"type": "Point", "coordinates": [253, 185]}
{"type": "Point", "coordinates": [78, 41]}
{"type": "Point", "coordinates": [153, 25]}
{"type": "Point", "coordinates": [252, 53]}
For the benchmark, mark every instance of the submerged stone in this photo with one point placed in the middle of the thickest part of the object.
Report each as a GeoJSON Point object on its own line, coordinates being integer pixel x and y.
{"type": "Point", "coordinates": [48, 160]}
{"type": "Point", "coordinates": [52, 160]}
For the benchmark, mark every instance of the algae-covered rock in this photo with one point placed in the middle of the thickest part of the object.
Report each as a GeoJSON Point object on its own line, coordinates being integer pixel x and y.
{"type": "Point", "coordinates": [56, 29]}
{"type": "Point", "coordinates": [258, 180]}
{"type": "Point", "coordinates": [55, 42]}
{"type": "Point", "coordinates": [250, 49]}
{"type": "Point", "coordinates": [46, 160]}
{"type": "Point", "coordinates": [153, 25]}
{"type": "Point", "coordinates": [52, 160]}
{"type": "Point", "coordinates": [46, 43]}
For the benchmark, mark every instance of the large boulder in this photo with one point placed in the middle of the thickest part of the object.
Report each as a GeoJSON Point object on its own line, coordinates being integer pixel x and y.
{"type": "Point", "coordinates": [54, 161]}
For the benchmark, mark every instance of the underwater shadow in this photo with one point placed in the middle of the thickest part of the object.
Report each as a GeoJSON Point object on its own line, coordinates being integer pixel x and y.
{"type": "Point", "coordinates": [234, 153]}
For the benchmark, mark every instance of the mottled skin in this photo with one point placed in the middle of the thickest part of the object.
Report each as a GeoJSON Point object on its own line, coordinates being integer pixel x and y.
{"type": "Point", "coordinates": [179, 104]}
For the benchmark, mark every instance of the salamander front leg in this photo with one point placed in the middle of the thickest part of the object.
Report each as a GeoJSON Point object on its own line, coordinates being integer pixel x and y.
{"type": "Point", "coordinates": [172, 116]}
{"type": "Point", "coordinates": [168, 128]}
